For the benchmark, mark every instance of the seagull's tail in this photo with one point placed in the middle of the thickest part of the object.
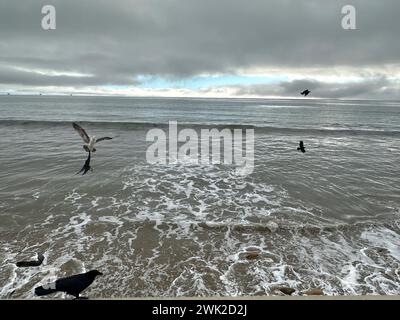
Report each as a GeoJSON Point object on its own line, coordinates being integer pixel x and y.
{"type": "Point", "coordinates": [41, 291]}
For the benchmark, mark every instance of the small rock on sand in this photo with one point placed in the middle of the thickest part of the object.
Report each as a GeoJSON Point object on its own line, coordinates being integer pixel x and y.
{"type": "Point", "coordinates": [314, 292]}
{"type": "Point", "coordinates": [252, 255]}
{"type": "Point", "coordinates": [272, 226]}
{"type": "Point", "coordinates": [286, 290]}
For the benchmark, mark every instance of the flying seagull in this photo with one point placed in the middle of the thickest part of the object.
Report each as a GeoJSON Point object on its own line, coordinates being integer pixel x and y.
{"type": "Point", "coordinates": [90, 141]}
{"type": "Point", "coordinates": [305, 92]}
{"type": "Point", "coordinates": [72, 285]}
{"type": "Point", "coordinates": [23, 264]}
{"type": "Point", "coordinates": [86, 167]}
{"type": "Point", "coordinates": [301, 147]}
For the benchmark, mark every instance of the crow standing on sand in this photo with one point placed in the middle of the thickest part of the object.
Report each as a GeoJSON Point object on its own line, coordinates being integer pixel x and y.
{"type": "Point", "coordinates": [23, 264]}
{"type": "Point", "coordinates": [301, 147]}
{"type": "Point", "coordinates": [305, 92]}
{"type": "Point", "coordinates": [86, 167]}
{"type": "Point", "coordinates": [90, 141]}
{"type": "Point", "coordinates": [72, 285]}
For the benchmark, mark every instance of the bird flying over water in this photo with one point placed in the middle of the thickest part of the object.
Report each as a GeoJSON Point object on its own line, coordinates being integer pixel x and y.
{"type": "Point", "coordinates": [72, 285]}
{"type": "Point", "coordinates": [305, 92]}
{"type": "Point", "coordinates": [86, 167]}
{"type": "Point", "coordinates": [90, 141]}
{"type": "Point", "coordinates": [301, 147]}
{"type": "Point", "coordinates": [23, 264]}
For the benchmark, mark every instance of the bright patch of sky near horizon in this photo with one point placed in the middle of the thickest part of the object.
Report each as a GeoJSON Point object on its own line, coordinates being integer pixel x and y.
{"type": "Point", "coordinates": [206, 81]}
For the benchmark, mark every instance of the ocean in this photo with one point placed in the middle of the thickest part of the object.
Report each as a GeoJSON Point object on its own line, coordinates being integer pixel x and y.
{"type": "Point", "coordinates": [328, 218]}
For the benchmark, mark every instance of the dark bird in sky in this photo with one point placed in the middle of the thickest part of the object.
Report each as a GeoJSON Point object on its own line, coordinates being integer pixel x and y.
{"type": "Point", "coordinates": [72, 285]}
{"type": "Point", "coordinates": [301, 147]}
{"type": "Point", "coordinates": [86, 167]}
{"type": "Point", "coordinates": [90, 141]}
{"type": "Point", "coordinates": [306, 92]}
{"type": "Point", "coordinates": [38, 262]}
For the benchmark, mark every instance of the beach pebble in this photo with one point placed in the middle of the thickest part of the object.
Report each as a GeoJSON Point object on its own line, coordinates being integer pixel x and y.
{"type": "Point", "coordinates": [314, 292]}
{"type": "Point", "coordinates": [272, 226]}
{"type": "Point", "coordinates": [252, 255]}
{"type": "Point", "coordinates": [286, 290]}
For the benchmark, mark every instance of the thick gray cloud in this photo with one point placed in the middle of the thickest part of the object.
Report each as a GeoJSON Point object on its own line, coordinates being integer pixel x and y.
{"type": "Point", "coordinates": [116, 41]}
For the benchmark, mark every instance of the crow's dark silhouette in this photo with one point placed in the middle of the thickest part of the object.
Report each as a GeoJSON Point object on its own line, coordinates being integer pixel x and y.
{"type": "Point", "coordinates": [22, 264]}
{"type": "Point", "coordinates": [72, 285]}
{"type": "Point", "coordinates": [305, 92]}
{"type": "Point", "coordinates": [301, 147]}
{"type": "Point", "coordinates": [86, 167]}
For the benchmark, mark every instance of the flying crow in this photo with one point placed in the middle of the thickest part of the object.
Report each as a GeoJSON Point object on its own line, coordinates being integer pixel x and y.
{"type": "Point", "coordinates": [301, 147]}
{"type": "Point", "coordinates": [72, 285]}
{"type": "Point", "coordinates": [86, 167]}
{"type": "Point", "coordinates": [90, 141]}
{"type": "Point", "coordinates": [306, 93]}
{"type": "Point", "coordinates": [23, 264]}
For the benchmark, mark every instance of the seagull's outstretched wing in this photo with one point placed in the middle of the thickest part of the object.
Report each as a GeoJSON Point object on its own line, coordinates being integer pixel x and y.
{"type": "Point", "coordinates": [104, 138]}
{"type": "Point", "coordinates": [81, 132]}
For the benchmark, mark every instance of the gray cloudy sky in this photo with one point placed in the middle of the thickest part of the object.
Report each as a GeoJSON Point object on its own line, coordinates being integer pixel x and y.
{"type": "Point", "coordinates": [202, 48]}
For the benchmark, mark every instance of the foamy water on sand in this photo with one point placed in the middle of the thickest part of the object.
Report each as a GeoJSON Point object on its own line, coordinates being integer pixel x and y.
{"type": "Point", "coordinates": [328, 218]}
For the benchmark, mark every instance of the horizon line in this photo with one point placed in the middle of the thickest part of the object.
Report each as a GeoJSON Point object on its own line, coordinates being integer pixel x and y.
{"type": "Point", "coordinates": [184, 97]}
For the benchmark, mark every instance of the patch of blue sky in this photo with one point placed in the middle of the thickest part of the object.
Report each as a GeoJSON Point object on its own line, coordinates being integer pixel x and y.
{"type": "Point", "coordinates": [199, 82]}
